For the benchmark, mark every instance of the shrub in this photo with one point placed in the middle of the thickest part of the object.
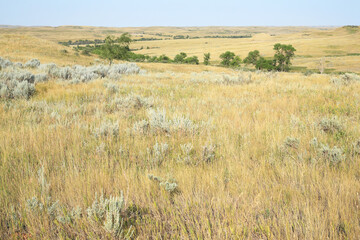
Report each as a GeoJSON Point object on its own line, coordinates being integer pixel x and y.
{"type": "Point", "coordinates": [107, 129]}
{"type": "Point", "coordinates": [158, 123]}
{"type": "Point", "coordinates": [158, 153]}
{"type": "Point", "coordinates": [168, 185]}
{"type": "Point", "coordinates": [330, 125]}
{"type": "Point", "coordinates": [346, 79]}
{"type": "Point", "coordinates": [183, 124]}
{"type": "Point", "coordinates": [110, 213]}
{"type": "Point", "coordinates": [308, 73]}
{"type": "Point", "coordinates": [356, 146]}
{"type": "Point", "coordinates": [18, 65]}
{"type": "Point", "coordinates": [111, 87]}
{"type": "Point", "coordinates": [23, 90]}
{"type": "Point", "coordinates": [240, 79]}
{"type": "Point", "coordinates": [141, 127]}
{"type": "Point", "coordinates": [83, 74]}
{"type": "Point", "coordinates": [208, 153]}
{"type": "Point", "coordinates": [49, 68]}
{"type": "Point", "coordinates": [314, 142]}
{"type": "Point", "coordinates": [332, 155]}
{"type": "Point", "coordinates": [291, 142]}
{"type": "Point", "coordinates": [33, 63]}
{"type": "Point", "coordinates": [4, 63]}
{"type": "Point", "coordinates": [101, 70]}
{"type": "Point", "coordinates": [41, 77]}
{"type": "Point", "coordinates": [63, 73]}
{"type": "Point", "coordinates": [16, 89]}
{"type": "Point", "coordinates": [17, 75]}
{"type": "Point", "coordinates": [187, 151]}
{"type": "Point", "coordinates": [133, 101]}
{"type": "Point", "coordinates": [117, 70]}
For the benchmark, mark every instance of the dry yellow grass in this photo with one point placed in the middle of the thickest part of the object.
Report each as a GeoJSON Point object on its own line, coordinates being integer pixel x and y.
{"type": "Point", "coordinates": [257, 186]}
{"type": "Point", "coordinates": [311, 43]}
{"type": "Point", "coordinates": [21, 48]}
{"type": "Point", "coordinates": [254, 189]}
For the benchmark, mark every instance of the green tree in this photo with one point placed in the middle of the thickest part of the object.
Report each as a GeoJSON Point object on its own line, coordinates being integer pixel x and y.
{"type": "Point", "coordinates": [164, 59]}
{"type": "Point", "coordinates": [153, 59]}
{"type": "Point", "coordinates": [283, 55]}
{"type": "Point", "coordinates": [125, 40]}
{"type": "Point", "coordinates": [179, 58]}
{"type": "Point", "coordinates": [252, 57]}
{"type": "Point", "coordinates": [264, 64]}
{"type": "Point", "coordinates": [227, 57]}
{"type": "Point", "coordinates": [192, 60]}
{"type": "Point", "coordinates": [114, 48]}
{"type": "Point", "coordinates": [235, 62]}
{"type": "Point", "coordinates": [207, 58]}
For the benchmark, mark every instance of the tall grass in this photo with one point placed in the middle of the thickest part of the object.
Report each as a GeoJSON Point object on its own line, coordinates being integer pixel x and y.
{"type": "Point", "coordinates": [253, 169]}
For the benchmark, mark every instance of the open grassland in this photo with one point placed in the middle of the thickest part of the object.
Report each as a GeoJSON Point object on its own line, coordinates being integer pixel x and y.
{"type": "Point", "coordinates": [339, 46]}
{"type": "Point", "coordinates": [196, 152]}
{"type": "Point", "coordinates": [176, 151]}
{"type": "Point", "coordinates": [20, 48]}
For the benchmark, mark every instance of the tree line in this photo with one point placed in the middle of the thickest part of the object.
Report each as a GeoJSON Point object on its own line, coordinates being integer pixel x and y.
{"type": "Point", "coordinates": [119, 48]}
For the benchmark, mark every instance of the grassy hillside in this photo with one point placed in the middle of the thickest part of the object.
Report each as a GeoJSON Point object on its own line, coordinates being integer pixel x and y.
{"type": "Point", "coordinates": [21, 48]}
{"type": "Point", "coordinates": [339, 46]}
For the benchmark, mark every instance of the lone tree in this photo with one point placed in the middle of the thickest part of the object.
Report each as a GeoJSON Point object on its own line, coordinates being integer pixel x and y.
{"type": "Point", "coordinates": [252, 57]}
{"type": "Point", "coordinates": [283, 55]}
{"type": "Point", "coordinates": [116, 48]}
{"type": "Point", "coordinates": [124, 40]}
{"type": "Point", "coordinates": [227, 57]}
{"type": "Point", "coordinates": [207, 58]}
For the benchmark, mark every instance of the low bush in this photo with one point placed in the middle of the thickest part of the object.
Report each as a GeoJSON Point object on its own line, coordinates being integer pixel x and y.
{"type": "Point", "coordinates": [33, 63]}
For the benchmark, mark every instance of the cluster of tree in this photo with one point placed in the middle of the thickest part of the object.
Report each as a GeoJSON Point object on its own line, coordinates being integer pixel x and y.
{"type": "Point", "coordinates": [181, 37]}
{"type": "Point", "coordinates": [82, 42]}
{"type": "Point", "coordinates": [119, 48]}
{"type": "Point", "coordinates": [229, 59]}
{"type": "Point", "coordinates": [234, 36]}
{"type": "Point", "coordinates": [162, 35]}
{"type": "Point", "coordinates": [147, 39]}
{"type": "Point", "coordinates": [182, 58]}
{"type": "Point", "coordinates": [280, 62]}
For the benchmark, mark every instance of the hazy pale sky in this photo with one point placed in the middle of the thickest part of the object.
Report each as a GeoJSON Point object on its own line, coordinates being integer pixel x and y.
{"type": "Point", "coordinates": [138, 13]}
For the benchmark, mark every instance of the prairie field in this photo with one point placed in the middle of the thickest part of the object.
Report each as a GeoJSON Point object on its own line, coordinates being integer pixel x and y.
{"type": "Point", "coordinates": [339, 46]}
{"type": "Point", "coordinates": [178, 151]}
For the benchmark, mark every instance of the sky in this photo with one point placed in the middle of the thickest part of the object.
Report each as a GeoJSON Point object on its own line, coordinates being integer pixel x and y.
{"type": "Point", "coordinates": [139, 13]}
